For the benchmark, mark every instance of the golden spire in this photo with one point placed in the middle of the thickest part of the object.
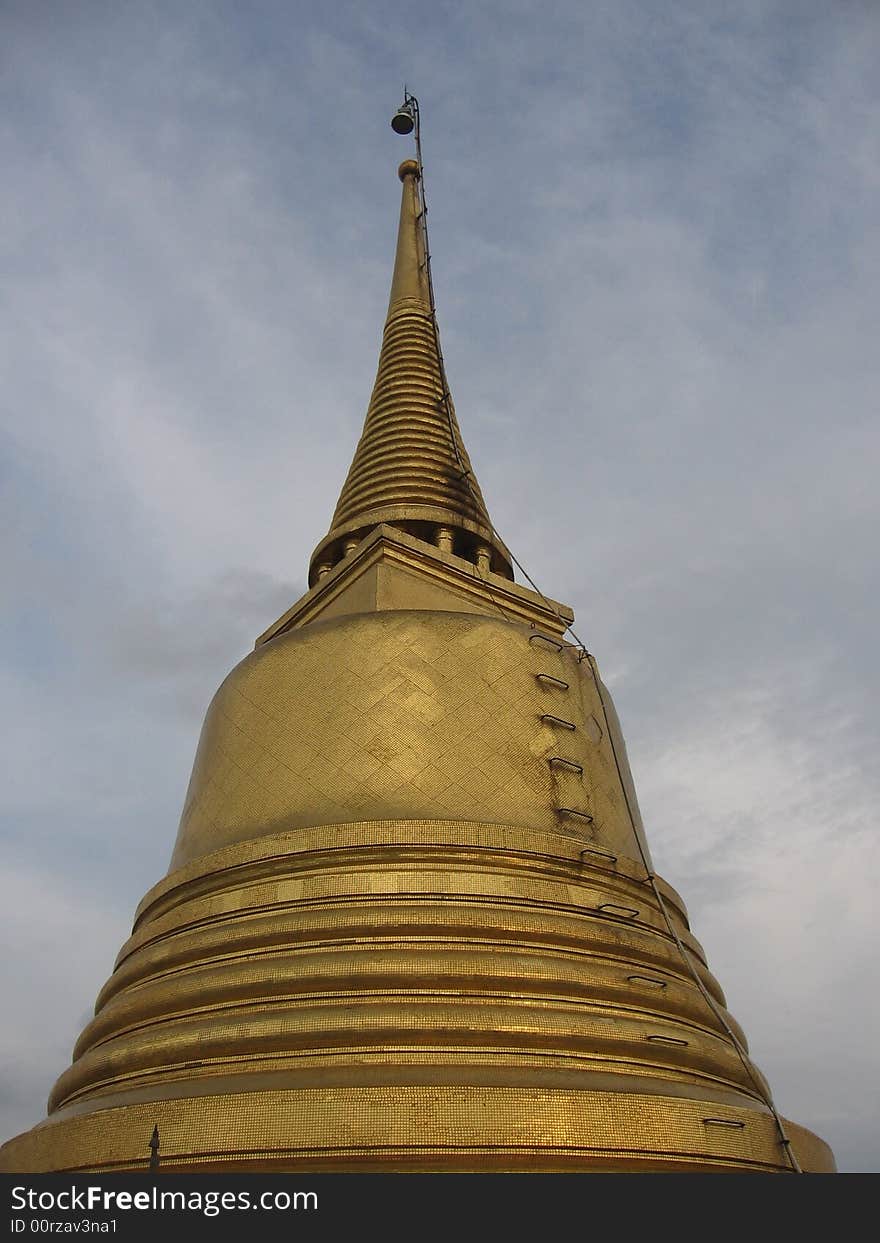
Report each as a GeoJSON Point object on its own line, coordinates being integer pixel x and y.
{"type": "Point", "coordinates": [410, 922]}
{"type": "Point", "coordinates": [411, 469]}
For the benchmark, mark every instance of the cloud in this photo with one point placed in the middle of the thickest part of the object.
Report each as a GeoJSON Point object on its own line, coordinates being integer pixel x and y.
{"type": "Point", "coordinates": [44, 917]}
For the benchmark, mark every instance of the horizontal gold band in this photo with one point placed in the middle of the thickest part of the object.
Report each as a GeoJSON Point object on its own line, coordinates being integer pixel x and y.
{"type": "Point", "coordinates": [402, 1127]}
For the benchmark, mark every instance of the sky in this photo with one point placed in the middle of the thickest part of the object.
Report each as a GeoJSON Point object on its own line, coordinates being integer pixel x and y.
{"type": "Point", "coordinates": [656, 246]}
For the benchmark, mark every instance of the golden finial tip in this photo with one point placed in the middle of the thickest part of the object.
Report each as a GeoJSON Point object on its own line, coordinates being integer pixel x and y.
{"type": "Point", "coordinates": [409, 168]}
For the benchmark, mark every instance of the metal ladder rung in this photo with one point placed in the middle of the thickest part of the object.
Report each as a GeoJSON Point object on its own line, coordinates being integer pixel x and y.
{"type": "Point", "coordinates": [646, 979]}
{"type": "Point", "coordinates": [548, 677]}
{"type": "Point", "coordinates": [628, 912]}
{"type": "Point", "coordinates": [581, 815]}
{"type": "Point", "coordinates": [739, 1126]}
{"type": "Point", "coordinates": [546, 638]}
{"type": "Point", "coordinates": [557, 720]}
{"type": "Point", "coordinates": [668, 1040]}
{"type": "Point", "coordinates": [602, 854]}
{"type": "Point", "coordinates": [560, 759]}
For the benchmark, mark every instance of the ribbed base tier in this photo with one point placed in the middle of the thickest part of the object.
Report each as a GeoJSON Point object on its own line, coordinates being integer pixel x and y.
{"type": "Point", "coordinates": [410, 995]}
{"type": "Point", "coordinates": [443, 1129]}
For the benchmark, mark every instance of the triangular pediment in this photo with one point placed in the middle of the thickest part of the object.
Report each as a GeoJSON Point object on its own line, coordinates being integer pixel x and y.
{"type": "Point", "coordinates": [390, 569]}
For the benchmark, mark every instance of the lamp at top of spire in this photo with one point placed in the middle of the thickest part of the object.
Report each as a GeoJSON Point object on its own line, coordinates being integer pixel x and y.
{"type": "Point", "coordinates": [403, 121]}
{"type": "Point", "coordinates": [406, 119]}
{"type": "Point", "coordinates": [410, 468]}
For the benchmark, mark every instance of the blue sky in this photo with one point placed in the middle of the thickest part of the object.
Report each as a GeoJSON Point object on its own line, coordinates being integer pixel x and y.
{"type": "Point", "coordinates": [656, 253]}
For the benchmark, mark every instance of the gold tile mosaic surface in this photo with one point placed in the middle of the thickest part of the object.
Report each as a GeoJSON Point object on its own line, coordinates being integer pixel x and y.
{"type": "Point", "coordinates": [280, 971]}
{"type": "Point", "coordinates": [405, 714]}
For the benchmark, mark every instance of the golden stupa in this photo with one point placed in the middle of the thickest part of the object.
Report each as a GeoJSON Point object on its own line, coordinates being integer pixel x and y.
{"type": "Point", "coordinates": [411, 922]}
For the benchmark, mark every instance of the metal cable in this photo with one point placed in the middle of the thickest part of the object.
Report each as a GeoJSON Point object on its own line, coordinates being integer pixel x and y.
{"type": "Point", "coordinates": [444, 382]}
{"type": "Point", "coordinates": [762, 1087]}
